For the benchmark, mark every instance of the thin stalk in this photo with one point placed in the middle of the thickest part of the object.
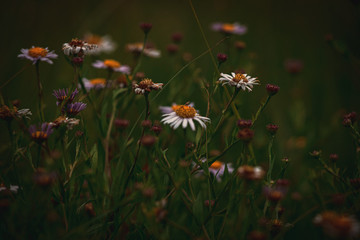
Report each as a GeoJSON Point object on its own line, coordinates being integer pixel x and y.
{"type": "Point", "coordinates": [40, 94]}
{"type": "Point", "coordinates": [140, 57]}
{"type": "Point", "coordinates": [261, 108]}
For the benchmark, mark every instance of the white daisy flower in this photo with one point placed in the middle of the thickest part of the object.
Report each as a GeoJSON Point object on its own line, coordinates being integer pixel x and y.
{"type": "Point", "coordinates": [168, 109]}
{"type": "Point", "coordinates": [146, 86]}
{"type": "Point", "coordinates": [13, 188]}
{"type": "Point", "coordinates": [25, 112]}
{"type": "Point", "coordinates": [105, 43]}
{"type": "Point", "coordinates": [239, 80]}
{"type": "Point", "coordinates": [217, 168]}
{"type": "Point", "coordinates": [36, 54]}
{"type": "Point", "coordinates": [112, 65]}
{"type": "Point", "coordinates": [78, 48]}
{"type": "Point", "coordinates": [148, 50]}
{"type": "Point", "coordinates": [184, 115]}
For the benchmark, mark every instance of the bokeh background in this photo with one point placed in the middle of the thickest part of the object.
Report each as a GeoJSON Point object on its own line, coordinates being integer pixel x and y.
{"type": "Point", "coordinates": [323, 35]}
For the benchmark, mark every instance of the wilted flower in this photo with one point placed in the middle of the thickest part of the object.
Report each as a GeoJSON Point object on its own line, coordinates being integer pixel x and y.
{"type": "Point", "coordinates": [239, 80]}
{"type": "Point", "coordinates": [40, 134]}
{"type": "Point", "coordinates": [294, 65]}
{"type": "Point", "coordinates": [78, 48]}
{"type": "Point", "coordinates": [149, 51]}
{"type": "Point", "coordinates": [63, 94]}
{"type": "Point", "coordinates": [104, 43]}
{"type": "Point", "coordinates": [8, 114]}
{"type": "Point", "coordinates": [250, 173]}
{"type": "Point", "coordinates": [146, 86]}
{"type": "Point", "coordinates": [36, 54]}
{"type": "Point", "coordinates": [228, 28]}
{"type": "Point", "coordinates": [112, 65]}
{"type": "Point", "coordinates": [184, 115]}
{"type": "Point", "coordinates": [337, 226]}
{"type": "Point", "coordinates": [74, 108]}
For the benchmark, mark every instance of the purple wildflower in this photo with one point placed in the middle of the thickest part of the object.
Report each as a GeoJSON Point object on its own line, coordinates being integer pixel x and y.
{"type": "Point", "coordinates": [74, 108]}
{"type": "Point", "coordinates": [40, 134]}
{"type": "Point", "coordinates": [63, 94]}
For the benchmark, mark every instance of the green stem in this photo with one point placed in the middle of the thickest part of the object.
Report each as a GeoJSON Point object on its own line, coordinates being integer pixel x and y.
{"type": "Point", "coordinates": [261, 108]}
{"type": "Point", "coordinates": [140, 57]}
{"type": "Point", "coordinates": [40, 88]}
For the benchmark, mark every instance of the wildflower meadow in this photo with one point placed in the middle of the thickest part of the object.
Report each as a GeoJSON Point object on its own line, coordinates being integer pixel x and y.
{"type": "Point", "coordinates": [180, 120]}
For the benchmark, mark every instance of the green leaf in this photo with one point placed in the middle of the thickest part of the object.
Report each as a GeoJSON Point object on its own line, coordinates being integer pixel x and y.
{"type": "Point", "coordinates": [198, 208]}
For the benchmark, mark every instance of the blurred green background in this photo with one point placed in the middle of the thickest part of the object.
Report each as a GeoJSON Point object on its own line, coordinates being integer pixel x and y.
{"type": "Point", "coordinates": [308, 108]}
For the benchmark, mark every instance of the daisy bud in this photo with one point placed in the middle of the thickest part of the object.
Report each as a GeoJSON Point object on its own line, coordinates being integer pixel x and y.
{"type": "Point", "coordinates": [240, 45]}
{"type": "Point", "coordinates": [172, 49]}
{"type": "Point", "coordinates": [148, 140]}
{"type": "Point", "coordinates": [78, 61]}
{"type": "Point", "coordinates": [146, 124]}
{"type": "Point", "coordinates": [272, 128]}
{"type": "Point", "coordinates": [334, 157]}
{"type": "Point", "coordinates": [245, 134]}
{"type": "Point", "coordinates": [121, 123]}
{"type": "Point", "coordinates": [272, 89]}
{"type": "Point", "coordinates": [146, 27]}
{"type": "Point", "coordinates": [242, 123]}
{"type": "Point", "coordinates": [177, 37]}
{"type": "Point", "coordinates": [221, 57]}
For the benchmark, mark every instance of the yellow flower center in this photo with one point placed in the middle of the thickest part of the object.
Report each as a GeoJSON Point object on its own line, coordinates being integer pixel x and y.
{"type": "Point", "coordinates": [98, 81]}
{"type": "Point", "coordinates": [39, 135]}
{"type": "Point", "coordinates": [145, 83]}
{"type": "Point", "coordinates": [216, 165]}
{"type": "Point", "coordinates": [228, 27]}
{"type": "Point", "coordinates": [175, 107]}
{"type": "Point", "coordinates": [185, 111]}
{"type": "Point", "coordinates": [238, 77]}
{"type": "Point", "coordinates": [38, 52]}
{"type": "Point", "coordinates": [93, 39]}
{"type": "Point", "coordinates": [112, 63]}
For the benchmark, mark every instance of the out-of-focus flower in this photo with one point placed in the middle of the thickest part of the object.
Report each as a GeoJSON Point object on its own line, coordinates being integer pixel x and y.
{"type": "Point", "coordinates": [229, 28]}
{"type": "Point", "coordinates": [40, 134]}
{"type": "Point", "coordinates": [240, 45]}
{"type": "Point", "coordinates": [36, 54]}
{"type": "Point", "coordinates": [63, 95]}
{"type": "Point", "coordinates": [174, 106]}
{"type": "Point", "coordinates": [112, 65]}
{"type": "Point", "coordinates": [217, 168]}
{"type": "Point", "coordinates": [121, 123]}
{"type": "Point", "coordinates": [184, 115]}
{"type": "Point", "coordinates": [239, 80]}
{"type": "Point", "coordinates": [44, 178]}
{"type": "Point", "coordinates": [338, 226]}
{"type": "Point", "coordinates": [334, 157]}
{"type": "Point", "coordinates": [74, 108]}
{"type": "Point", "coordinates": [149, 51]}
{"type": "Point", "coordinates": [78, 48]}
{"type": "Point", "coordinates": [146, 86]}
{"type": "Point", "coordinates": [250, 173]}
{"type": "Point", "coordinates": [148, 140]}
{"type": "Point", "coordinates": [156, 128]}
{"type": "Point", "coordinates": [94, 83]}
{"type": "Point", "coordinates": [122, 81]}
{"type": "Point", "coordinates": [293, 66]}
{"type": "Point", "coordinates": [104, 43]}
{"type": "Point", "coordinates": [177, 37]}
{"type": "Point", "coordinates": [349, 118]}
{"type": "Point", "coordinates": [272, 89]}
{"type": "Point", "coordinates": [172, 48]}
{"type": "Point", "coordinates": [278, 191]}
